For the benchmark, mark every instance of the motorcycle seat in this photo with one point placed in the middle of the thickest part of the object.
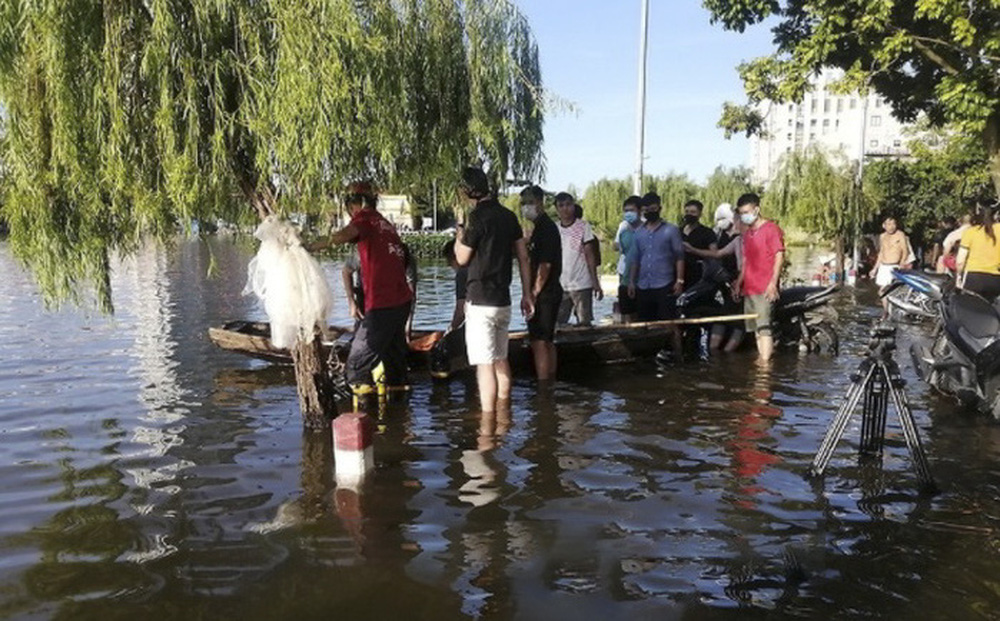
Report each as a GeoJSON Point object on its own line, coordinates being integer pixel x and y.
{"type": "Point", "coordinates": [802, 294]}
{"type": "Point", "coordinates": [975, 315]}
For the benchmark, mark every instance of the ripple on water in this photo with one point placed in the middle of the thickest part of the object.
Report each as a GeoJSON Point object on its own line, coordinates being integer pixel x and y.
{"type": "Point", "coordinates": [143, 469]}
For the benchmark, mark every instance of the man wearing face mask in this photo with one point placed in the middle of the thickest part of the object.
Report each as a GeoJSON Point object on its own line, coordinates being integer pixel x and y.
{"type": "Point", "coordinates": [730, 256]}
{"type": "Point", "coordinates": [763, 253]}
{"type": "Point", "coordinates": [697, 236]}
{"type": "Point", "coordinates": [579, 264]}
{"type": "Point", "coordinates": [625, 247]}
{"type": "Point", "coordinates": [657, 275]}
{"type": "Point", "coordinates": [545, 255]}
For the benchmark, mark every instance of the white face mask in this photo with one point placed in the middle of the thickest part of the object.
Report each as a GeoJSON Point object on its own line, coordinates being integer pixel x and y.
{"type": "Point", "coordinates": [529, 211]}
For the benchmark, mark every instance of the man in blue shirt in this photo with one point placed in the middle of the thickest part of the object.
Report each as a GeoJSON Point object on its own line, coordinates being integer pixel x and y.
{"type": "Point", "coordinates": [657, 276]}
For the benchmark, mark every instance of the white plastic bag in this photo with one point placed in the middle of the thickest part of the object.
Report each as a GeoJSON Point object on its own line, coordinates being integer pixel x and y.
{"type": "Point", "coordinates": [289, 282]}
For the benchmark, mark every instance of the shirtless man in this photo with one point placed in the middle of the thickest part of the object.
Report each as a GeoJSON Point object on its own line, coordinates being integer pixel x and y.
{"type": "Point", "coordinates": [894, 251]}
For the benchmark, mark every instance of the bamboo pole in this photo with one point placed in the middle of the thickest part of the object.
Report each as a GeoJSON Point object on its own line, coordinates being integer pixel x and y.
{"type": "Point", "coordinates": [643, 325]}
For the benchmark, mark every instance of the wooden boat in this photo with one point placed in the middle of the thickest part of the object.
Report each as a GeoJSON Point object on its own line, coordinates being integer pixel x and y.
{"type": "Point", "coordinates": [253, 338]}
{"type": "Point", "coordinates": [578, 348]}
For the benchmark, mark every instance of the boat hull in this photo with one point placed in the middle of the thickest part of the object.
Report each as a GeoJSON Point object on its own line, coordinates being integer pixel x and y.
{"type": "Point", "coordinates": [578, 348]}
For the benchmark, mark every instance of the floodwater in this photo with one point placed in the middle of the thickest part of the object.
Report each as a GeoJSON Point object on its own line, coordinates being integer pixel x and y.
{"type": "Point", "coordinates": [147, 473]}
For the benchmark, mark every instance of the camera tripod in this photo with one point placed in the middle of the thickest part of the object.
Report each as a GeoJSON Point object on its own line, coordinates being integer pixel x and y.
{"type": "Point", "coordinates": [876, 382]}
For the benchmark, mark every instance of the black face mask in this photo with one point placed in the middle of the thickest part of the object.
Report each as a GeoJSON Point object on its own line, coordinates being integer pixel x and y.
{"type": "Point", "coordinates": [651, 216]}
{"type": "Point", "coordinates": [691, 219]}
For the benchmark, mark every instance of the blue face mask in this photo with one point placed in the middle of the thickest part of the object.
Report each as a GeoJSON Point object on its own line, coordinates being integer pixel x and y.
{"type": "Point", "coordinates": [631, 217]}
{"type": "Point", "coordinates": [748, 218]}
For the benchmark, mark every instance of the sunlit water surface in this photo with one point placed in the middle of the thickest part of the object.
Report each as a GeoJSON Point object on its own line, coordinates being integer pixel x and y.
{"type": "Point", "coordinates": [145, 472]}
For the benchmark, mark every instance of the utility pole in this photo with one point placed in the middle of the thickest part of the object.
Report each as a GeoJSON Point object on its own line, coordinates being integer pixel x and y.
{"type": "Point", "coordinates": [856, 254]}
{"type": "Point", "coordinates": [640, 121]}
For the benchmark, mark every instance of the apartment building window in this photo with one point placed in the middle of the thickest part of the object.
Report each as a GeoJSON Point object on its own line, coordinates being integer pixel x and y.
{"type": "Point", "coordinates": [791, 107]}
{"type": "Point", "coordinates": [854, 103]}
{"type": "Point", "coordinates": [876, 121]}
{"type": "Point", "coordinates": [897, 143]}
{"type": "Point", "coordinates": [813, 104]}
{"type": "Point", "coordinates": [826, 125]}
{"type": "Point", "coordinates": [788, 137]}
{"type": "Point", "coordinates": [873, 143]}
{"type": "Point", "coordinates": [840, 105]}
{"type": "Point", "coordinates": [826, 105]}
{"type": "Point", "coordinates": [789, 122]}
{"type": "Point", "coordinates": [836, 124]}
{"type": "Point", "coordinates": [878, 102]}
{"type": "Point", "coordinates": [812, 137]}
{"type": "Point", "coordinates": [812, 123]}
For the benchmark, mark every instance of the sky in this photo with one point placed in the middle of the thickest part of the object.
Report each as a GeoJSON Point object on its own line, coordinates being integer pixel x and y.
{"type": "Point", "coordinates": [589, 53]}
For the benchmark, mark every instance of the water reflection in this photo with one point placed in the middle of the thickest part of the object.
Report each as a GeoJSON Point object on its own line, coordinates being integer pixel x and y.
{"type": "Point", "coordinates": [147, 472]}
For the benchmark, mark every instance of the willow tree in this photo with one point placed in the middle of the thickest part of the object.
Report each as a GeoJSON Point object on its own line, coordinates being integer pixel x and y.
{"type": "Point", "coordinates": [124, 119]}
{"type": "Point", "coordinates": [130, 118]}
{"type": "Point", "coordinates": [817, 191]}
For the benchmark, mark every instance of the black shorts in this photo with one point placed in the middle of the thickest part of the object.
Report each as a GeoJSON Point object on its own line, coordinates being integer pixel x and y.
{"type": "Point", "coordinates": [656, 304]}
{"type": "Point", "coordinates": [986, 285]}
{"type": "Point", "coordinates": [542, 325]}
{"type": "Point", "coordinates": [626, 305]}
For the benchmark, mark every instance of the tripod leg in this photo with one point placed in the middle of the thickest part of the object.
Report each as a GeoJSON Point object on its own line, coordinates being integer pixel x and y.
{"type": "Point", "coordinates": [836, 429]}
{"type": "Point", "coordinates": [909, 425]}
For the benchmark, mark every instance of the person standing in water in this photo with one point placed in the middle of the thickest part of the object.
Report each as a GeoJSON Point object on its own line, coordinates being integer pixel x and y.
{"type": "Point", "coordinates": [894, 251]}
{"type": "Point", "coordinates": [758, 283]}
{"type": "Point", "coordinates": [381, 335]}
{"type": "Point", "coordinates": [488, 244]}
{"type": "Point", "coordinates": [696, 235]}
{"type": "Point", "coordinates": [625, 247]}
{"type": "Point", "coordinates": [579, 264]}
{"type": "Point", "coordinates": [545, 253]}
{"type": "Point", "coordinates": [978, 258]}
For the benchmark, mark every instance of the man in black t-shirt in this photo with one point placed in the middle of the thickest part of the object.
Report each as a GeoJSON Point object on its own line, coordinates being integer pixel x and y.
{"type": "Point", "coordinates": [699, 236]}
{"type": "Point", "coordinates": [545, 251]}
{"type": "Point", "coordinates": [488, 244]}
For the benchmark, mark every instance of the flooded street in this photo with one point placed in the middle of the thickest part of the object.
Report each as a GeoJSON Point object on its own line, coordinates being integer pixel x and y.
{"type": "Point", "coordinates": [146, 472]}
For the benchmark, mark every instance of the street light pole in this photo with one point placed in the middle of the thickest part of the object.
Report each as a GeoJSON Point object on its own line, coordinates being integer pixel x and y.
{"type": "Point", "coordinates": [856, 254]}
{"type": "Point", "coordinates": [640, 120]}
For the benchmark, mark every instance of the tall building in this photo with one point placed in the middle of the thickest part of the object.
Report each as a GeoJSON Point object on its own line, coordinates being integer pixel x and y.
{"type": "Point", "coordinates": [829, 120]}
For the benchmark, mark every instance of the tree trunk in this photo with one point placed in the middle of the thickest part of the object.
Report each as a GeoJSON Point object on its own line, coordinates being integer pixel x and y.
{"type": "Point", "coordinates": [317, 399]}
{"type": "Point", "coordinates": [841, 272]}
{"type": "Point", "coordinates": [991, 139]}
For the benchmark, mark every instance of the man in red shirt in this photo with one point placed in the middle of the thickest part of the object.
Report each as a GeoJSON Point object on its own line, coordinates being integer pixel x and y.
{"type": "Point", "coordinates": [763, 253]}
{"type": "Point", "coordinates": [381, 335]}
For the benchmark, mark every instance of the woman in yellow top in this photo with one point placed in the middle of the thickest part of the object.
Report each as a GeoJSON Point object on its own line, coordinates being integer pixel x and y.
{"type": "Point", "coordinates": [978, 258]}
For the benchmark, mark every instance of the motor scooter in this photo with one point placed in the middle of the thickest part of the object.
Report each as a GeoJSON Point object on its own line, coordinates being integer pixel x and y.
{"type": "Point", "coordinates": [803, 317]}
{"type": "Point", "coordinates": [962, 356]}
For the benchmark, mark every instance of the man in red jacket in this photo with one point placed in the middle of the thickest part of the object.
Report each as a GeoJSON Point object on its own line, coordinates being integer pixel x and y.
{"type": "Point", "coordinates": [381, 335]}
{"type": "Point", "coordinates": [763, 254]}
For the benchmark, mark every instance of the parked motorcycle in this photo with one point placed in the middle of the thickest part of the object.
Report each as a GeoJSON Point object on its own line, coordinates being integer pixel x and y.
{"type": "Point", "coordinates": [802, 316]}
{"type": "Point", "coordinates": [962, 357]}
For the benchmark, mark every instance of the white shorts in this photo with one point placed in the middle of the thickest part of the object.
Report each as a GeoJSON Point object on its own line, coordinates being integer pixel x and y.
{"type": "Point", "coordinates": [486, 333]}
{"type": "Point", "coordinates": [883, 276]}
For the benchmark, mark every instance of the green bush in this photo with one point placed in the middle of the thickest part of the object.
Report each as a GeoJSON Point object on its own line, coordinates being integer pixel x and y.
{"type": "Point", "coordinates": [426, 245]}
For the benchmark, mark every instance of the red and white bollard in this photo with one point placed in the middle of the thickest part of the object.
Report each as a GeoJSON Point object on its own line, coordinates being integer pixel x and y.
{"type": "Point", "coordinates": [353, 456]}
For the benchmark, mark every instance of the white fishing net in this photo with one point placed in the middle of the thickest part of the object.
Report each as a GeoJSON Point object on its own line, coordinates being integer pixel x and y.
{"type": "Point", "coordinates": [289, 282]}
